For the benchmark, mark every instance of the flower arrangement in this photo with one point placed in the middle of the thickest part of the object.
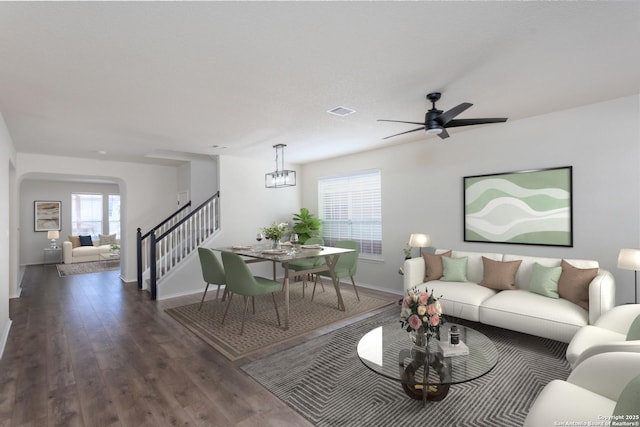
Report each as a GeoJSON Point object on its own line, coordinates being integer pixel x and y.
{"type": "Point", "coordinates": [421, 312]}
{"type": "Point", "coordinates": [275, 231]}
{"type": "Point", "coordinates": [115, 247]}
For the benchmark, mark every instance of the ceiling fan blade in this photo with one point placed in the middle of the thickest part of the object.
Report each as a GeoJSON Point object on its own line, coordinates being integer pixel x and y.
{"type": "Point", "coordinates": [402, 133]}
{"type": "Point", "coordinates": [399, 121]}
{"type": "Point", "coordinates": [469, 122]}
{"type": "Point", "coordinates": [444, 134]}
{"type": "Point", "coordinates": [445, 117]}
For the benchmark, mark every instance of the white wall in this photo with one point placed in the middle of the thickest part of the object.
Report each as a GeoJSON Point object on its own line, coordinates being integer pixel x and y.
{"type": "Point", "coordinates": [245, 207]}
{"type": "Point", "coordinates": [7, 272]}
{"type": "Point", "coordinates": [147, 192]}
{"type": "Point", "coordinates": [422, 184]}
{"type": "Point", "coordinates": [33, 242]}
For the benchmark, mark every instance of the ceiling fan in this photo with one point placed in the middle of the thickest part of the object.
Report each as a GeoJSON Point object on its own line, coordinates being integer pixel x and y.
{"type": "Point", "coordinates": [435, 121]}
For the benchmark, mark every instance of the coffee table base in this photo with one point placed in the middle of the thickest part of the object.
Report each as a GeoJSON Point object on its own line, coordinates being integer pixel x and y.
{"type": "Point", "coordinates": [431, 393]}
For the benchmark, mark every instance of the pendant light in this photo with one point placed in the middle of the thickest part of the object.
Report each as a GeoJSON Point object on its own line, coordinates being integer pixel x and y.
{"type": "Point", "coordinates": [281, 177]}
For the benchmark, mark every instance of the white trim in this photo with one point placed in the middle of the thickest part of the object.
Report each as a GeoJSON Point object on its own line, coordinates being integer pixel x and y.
{"type": "Point", "coordinates": [5, 337]}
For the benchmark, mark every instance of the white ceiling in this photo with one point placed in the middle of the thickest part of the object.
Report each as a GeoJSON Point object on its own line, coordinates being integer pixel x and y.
{"type": "Point", "coordinates": [173, 79]}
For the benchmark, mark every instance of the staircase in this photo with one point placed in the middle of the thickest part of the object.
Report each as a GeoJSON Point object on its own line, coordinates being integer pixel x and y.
{"type": "Point", "coordinates": [169, 243]}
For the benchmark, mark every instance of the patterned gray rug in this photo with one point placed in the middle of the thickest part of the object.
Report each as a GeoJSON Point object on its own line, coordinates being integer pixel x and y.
{"type": "Point", "coordinates": [261, 330]}
{"type": "Point", "coordinates": [325, 381]}
{"type": "Point", "coordinates": [87, 267]}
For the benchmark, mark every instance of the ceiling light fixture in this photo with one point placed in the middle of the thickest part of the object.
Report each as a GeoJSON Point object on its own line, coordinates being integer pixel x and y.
{"type": "Point", "coordinates": [281, 177]}
{"type": "Point", "coordinates": [341, 111]}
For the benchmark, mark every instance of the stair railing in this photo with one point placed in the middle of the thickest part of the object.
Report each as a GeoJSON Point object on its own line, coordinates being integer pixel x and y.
{"type": "Point", "coordinates": [163, 248]}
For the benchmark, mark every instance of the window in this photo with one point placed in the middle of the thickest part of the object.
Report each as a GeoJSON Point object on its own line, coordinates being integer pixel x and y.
{"type": "Point", "coordinates": [86, 214]}
{"type": "Point", "coordinates": [350, 207]}
{"type": "Point", "coordinates": [88, 211]}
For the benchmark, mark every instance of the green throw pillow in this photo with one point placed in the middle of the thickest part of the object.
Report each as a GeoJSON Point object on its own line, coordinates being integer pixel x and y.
{"type": "Point", "coordinates": [544, 280]}
{"type": "Point", "coordinates": [634, 330]}
{"type": "Point", "coordinates": [629, 400]}
{"type": "Point", "coordinates": [454, 269]}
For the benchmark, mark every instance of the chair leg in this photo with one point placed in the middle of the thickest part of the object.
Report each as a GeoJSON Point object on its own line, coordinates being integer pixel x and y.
{"type": "Point", "coordinates": [217, 292]}
{"type": "Point", "coordinates": [315, 283]}
{"type": "Point", "coordinates": [355, 288]}
{"type": "Point", "coordinates": [246, 306]}
{"type": "Point", "coordinates": [253, 304]}
{"type": "Point", "coordinates": [204, 295]}
{"type": "Point", "coordinates": [227, 308]}
{"type": "Point", "coordinates": [273, 295]}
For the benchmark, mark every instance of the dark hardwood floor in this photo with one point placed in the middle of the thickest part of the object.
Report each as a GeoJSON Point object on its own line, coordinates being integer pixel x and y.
{"type": "Point", "coordinates": [89, 350]}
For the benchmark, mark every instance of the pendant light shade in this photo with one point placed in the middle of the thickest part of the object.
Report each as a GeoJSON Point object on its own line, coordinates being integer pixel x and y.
{"type": "Point", "coordinates": [281, 177]}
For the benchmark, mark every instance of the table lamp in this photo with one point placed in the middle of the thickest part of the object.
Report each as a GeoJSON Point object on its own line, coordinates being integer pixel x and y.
{"type": "Point", "coordinates": [419, 240]}
{"type": "Point", "coordinates": [53, 235]}
{"type": "Point", "coordinates": [629, 259]}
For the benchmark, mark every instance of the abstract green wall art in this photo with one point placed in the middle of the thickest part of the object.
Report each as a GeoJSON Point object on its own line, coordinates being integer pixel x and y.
{"type": "Point", "coordinates": [532, 207]}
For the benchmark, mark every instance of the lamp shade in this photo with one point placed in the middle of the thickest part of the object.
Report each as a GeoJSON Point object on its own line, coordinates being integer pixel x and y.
{"type": "Point", "coordinates": [629, 259]}
{"type": "Point", "coordinates": [418, 240]}
{"type": "Point", "coordinates": [53, 234]}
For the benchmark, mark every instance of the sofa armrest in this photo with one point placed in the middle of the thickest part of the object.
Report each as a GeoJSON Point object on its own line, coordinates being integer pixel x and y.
{"type": "Point", "coordinates": [413, 272]}
{"type": "Point", "coordinates": [602, 295]}
{"type": "Point", "coordinates": [606, 373]}
{"type": "Point", "coordinates": [67, 249]}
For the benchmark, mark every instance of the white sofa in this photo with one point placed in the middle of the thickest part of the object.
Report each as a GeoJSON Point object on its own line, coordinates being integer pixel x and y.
{"type": "Point", "coordinates": [516, 309]}
{"type": "Point", "coordinates": [71, 255]}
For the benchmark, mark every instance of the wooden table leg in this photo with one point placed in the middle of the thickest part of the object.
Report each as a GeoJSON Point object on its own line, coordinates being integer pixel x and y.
{"type": "Point", "coordinates": [286, 295]}
{"type": "Point", "coordinates": [331, 263]}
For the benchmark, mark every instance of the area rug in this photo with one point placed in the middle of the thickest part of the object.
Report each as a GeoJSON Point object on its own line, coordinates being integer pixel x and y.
{"type": "Point", "coordinates": [324, 380]}
{"type": "Point", "coordinates": [87, 267]}
{"type": "Point", "coordinates": [261, 330]}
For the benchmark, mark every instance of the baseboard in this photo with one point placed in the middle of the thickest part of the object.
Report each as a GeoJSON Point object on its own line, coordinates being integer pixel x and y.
{"type": "Point", "coordinates": [5, 337]}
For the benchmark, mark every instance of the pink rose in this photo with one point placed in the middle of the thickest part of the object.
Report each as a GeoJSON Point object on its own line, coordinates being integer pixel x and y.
{"type": "Point", "coordinates": [432, 309]}
{"type": "Point", "coordinates": [434, 320]}
{"type": "Point", "coordinates": [423, 298]}
{"type": "Point", "coordinates": [415, 322]}
{"type": "Point", "coordinates": [405, 302]}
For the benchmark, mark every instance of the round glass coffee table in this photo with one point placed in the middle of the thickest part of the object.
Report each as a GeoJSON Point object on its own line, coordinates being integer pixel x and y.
{"type": "Point", "coordinates": [426, 375]}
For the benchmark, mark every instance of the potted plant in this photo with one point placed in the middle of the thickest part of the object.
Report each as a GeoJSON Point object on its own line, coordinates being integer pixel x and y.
{"type": "Point", "coordinates": [306, 225]}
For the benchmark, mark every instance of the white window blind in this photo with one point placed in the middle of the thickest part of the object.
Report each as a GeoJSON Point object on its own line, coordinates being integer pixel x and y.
{"type": "Point", "coordinates": [86, 214]}
{"type": "Point", "coordinates": [350, 207]}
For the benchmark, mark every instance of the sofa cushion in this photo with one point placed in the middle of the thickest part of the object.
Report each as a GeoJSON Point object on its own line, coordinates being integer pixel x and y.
{"type": "Point", "coordinates": [544, 280]}
{"type": "Point", "coordinates": [107, 239]}
{"type": "Point", "coordinates": [454, 269]}
{"type": "Point", "coordinates": [475, 269]}
{"type": "Point", "coordinates": [524, 311]}
{"type": "Point", "coordinates": [574, 284]}
{"type": "Point", "coordinates": [499, 274]}
{"type": "Point", "coordinates": [75, 241]}
{"type": "Point", "coordinates": [85, 241]}
{"type": "Point", "coordinates": [433, 265]}
{"type": "Point", "coordinates": [459, 299]}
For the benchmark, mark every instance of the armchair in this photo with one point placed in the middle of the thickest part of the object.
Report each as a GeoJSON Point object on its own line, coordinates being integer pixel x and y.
{"type": "Point", "coordinates": [608, 333]}
{"type": "Point", "coordinates": [602, 386]}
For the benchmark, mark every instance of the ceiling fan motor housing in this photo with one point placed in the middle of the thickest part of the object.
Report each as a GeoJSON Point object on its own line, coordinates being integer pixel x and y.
{"type": "Point", "coordinates": [431, 122]}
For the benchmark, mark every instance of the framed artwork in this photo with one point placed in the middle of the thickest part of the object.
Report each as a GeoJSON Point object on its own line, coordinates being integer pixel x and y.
{"type": "Point", "coordinates": [532, 207]}
{"type": "Point", "coordinates": [46, 215]}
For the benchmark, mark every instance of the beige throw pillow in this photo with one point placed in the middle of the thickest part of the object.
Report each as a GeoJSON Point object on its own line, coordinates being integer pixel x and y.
{"type": "Point", "coordinates": [433, 266]}
{"type": "Point", "coordinates": [75, 241]}
{"type": "Point", "coordinates": [574, 284]}
{"type": "Point", "coordinates": [107, 239]}
{"type": "Point", "coordinates": [499, 274]}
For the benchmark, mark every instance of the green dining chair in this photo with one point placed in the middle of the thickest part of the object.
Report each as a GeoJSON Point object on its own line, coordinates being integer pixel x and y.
{"type": "Point", "coordinates": [240, 281]}
{"type": "Point", "coordinates": [308, 263]}
{"type": "Point", "coordinates": [212, 271]}
{"type": "Point", "coordinates": [346, 266]}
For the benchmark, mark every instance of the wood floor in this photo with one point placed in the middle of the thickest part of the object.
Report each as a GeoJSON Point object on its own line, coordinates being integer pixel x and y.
{"type": "Point", "coordinates": [89, 350]}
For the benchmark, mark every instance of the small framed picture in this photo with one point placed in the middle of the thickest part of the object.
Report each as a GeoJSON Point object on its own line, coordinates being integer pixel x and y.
{"type": "Point", "coordinates": [46, 215]}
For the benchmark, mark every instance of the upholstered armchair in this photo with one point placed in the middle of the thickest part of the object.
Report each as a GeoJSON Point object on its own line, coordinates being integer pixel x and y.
{"type": "Point", "coordinates": [611, 332]}
{"type": "Point", "coordinates": [599, 387]}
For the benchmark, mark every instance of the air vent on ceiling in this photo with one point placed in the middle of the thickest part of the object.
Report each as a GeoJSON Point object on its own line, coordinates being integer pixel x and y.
{"type": "Point", "coordinates": [341, 111]}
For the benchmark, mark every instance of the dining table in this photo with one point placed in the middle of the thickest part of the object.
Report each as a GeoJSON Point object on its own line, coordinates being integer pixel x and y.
{"type": "Point", "coordinates": [287, 254]}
